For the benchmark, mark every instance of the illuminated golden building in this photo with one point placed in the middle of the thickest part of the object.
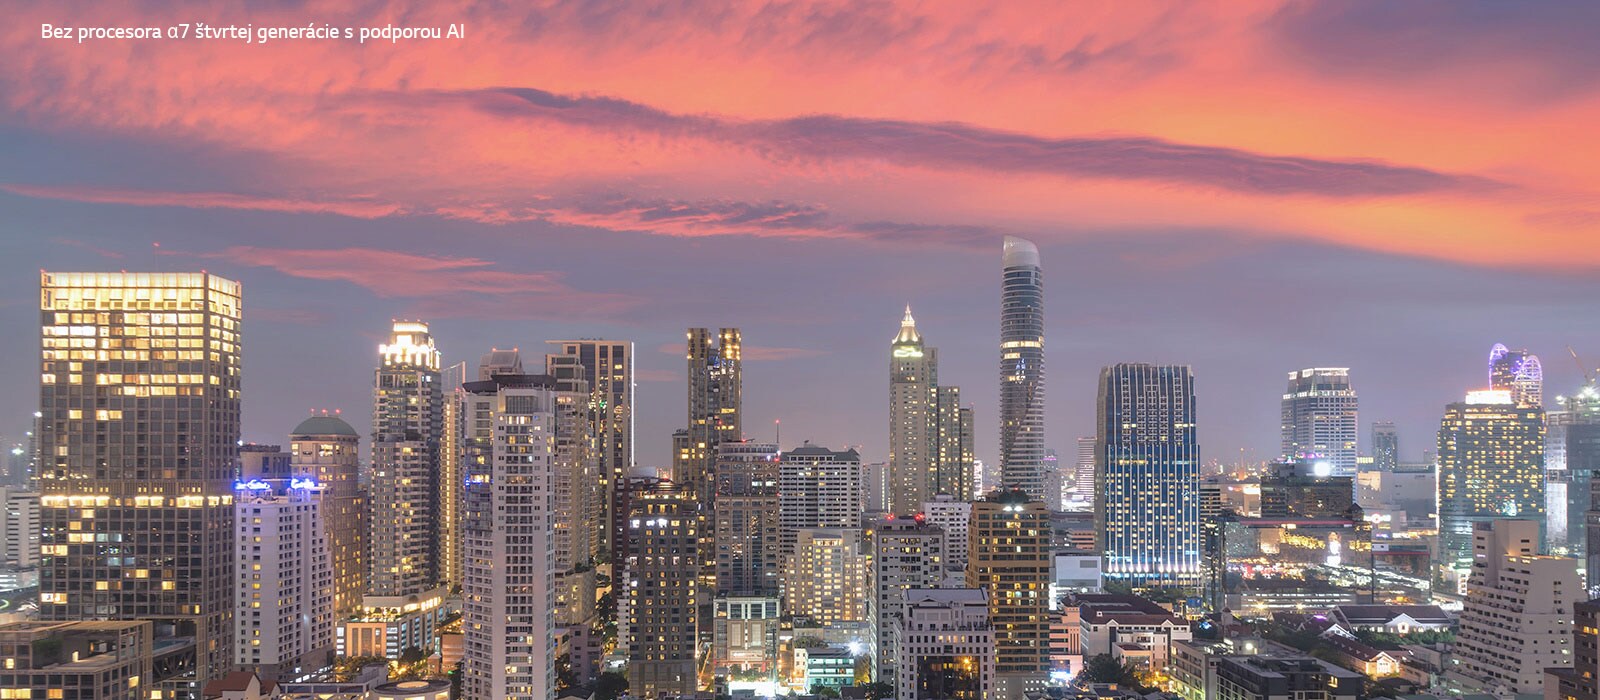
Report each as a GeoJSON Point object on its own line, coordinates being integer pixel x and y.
{"type": "Point", "coordinates": [407, 419]}
{"type": "Point", "coordinates": [1491, 466]}
{"type": "Point", "coordinates": [138, 440]}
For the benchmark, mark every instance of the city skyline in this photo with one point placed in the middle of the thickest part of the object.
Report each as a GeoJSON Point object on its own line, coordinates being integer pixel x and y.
{"type": "Point", "coordinates": [1287, 163]}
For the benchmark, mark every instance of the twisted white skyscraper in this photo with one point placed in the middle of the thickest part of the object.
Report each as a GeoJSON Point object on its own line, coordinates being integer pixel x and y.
{"type": "Point", "coordinates": [1022, 369]}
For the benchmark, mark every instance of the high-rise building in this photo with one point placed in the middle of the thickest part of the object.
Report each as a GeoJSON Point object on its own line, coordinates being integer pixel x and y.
{"type": "Point", "coordinates": [1385, 446]}
{"type": "Point", "coordinates": [1516, 620]}
{"type": "Point", "coordinates": [1582, 681]}
{"type": "Point", "coordinates": [407, 419]}
{"type": "Point", "coordinates": [324, 447]}
{"type": "Point", "coordinates": [1518, 372]}
{"type": "Point", "coordinates": [907, 553]}
{"type": "Point", "coordinates": [451, 477]}
{"type": "Point", "coordinates": [829, 585]}
{"type": "Point", "coordinates": [19, 528]}
{"type": "Point", "coordinates": [944, 645]}
{"type": "Point", "coordinates": [952, 516]}
{"type": "Point", "coordinates": [1319, 419]}
{"type": "Point", "coordinates": [1022, 368]}
{"type": "Point", "coordinates": [662, 572]}
{"type": "Point", "coordinates": [606, 367]}
{"type": "Point", "coordinates": [953, 465]}
{"type": "Point", "coordinates": [138, 452]}
{"type": "Point", "coordinates": [1008, 545]}
{"type": "Point", "coordinates": [98, 660]}
{"type": "Point", "coordinates": [930, 433]}
{"type": "Point", "coordinates": [283, 618]}
{"type": "Point", "coordinates": [1491, 466]}
{"type": "Point", "coordinates": [516, 574]}
{"type": "Point", "coordinates": [817, 487]}
{"type": "Point", "coordinates": [1083, 476]}
{"type": "Point", "coordinates": [747, 561]}
{"type": "Point", "coordinates": [1299, 490]}
{"type": "Point", "coordinates": [1571, 459]}
{"type": "Point", "coordinates": [716, 381]}
{"type": "Point", "coordinates": [875, 485]}
{"type": "Point", "coordinates": [1147, 472]}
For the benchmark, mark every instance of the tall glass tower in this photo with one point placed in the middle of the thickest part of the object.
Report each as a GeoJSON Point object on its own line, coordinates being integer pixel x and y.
{"type": "Point", "coordinates": [1022, 369]}
{"type": "Point", "coordinates": [138, 442]}
{"type": "Point", "coordinates": [1147, 473]}
{"type": "Point", "coordinates": [1319, 419]}
{"type": "Point", "coordinates": [1491, 466]}
{"type": "Point", "coordinates": [1519, 372]}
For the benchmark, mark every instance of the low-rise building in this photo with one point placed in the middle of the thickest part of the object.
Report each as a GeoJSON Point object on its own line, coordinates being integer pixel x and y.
{"type": "Point", "coordinates": [1256, 669]}
{"type": "Point", "coordinates": [1393, 619]}
{"type": "Point", "coordinates": [825, 667]}
{"type": "Point", "coordinates": [1109, 621]}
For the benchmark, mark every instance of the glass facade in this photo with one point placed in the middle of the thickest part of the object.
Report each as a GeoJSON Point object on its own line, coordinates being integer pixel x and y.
{"type": "Point", "coordinates": [1022, 369]}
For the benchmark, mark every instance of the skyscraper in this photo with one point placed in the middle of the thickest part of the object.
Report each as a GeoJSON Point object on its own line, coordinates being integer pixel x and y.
{"type": "Point", "coordinates": [324, 447]}
{"type": "Point", "coordinates": [747, 560]}
{"type": "Point", "coordinates": [1083, 477]}
{"type": "Point", "coordinates": [515, 569]}
{"type": "Point", "coordinates": [451, 477]}
{"type": "Point", "coordinates": [830, 584]}
{"type": "Point", "coordinates": [662, 572]}
{"type": "Point", "coordinates": [907, 553]}
{"type": "Point", "coordinates": [1385, 446]}
{"type": "Point", "coordinates": [1519, 372]}
{"type": "Point", "coordinates": [716, 381]}
{"type": "Point", "coordinates": [1147, 471]}
{"type": "Point", "coordinates": [1009, 558]}
{"type": "Point", "coordinates": [930, 433]}
{"type": "Point", "coordinates": [1022, 369]}
{"type": "Point", "coordinates": [1319, 419]}
{"type": "Point", "coordinates": [138, 439]}
{"type": "Point", "coordinates": [1491, 466]}
{"type": "Point", "coordinates": [284, 612]}
{"type": "Point", "coordinates": [407, 419]}
{"type": "Point", "coordinates": [817, 487]}
{"type": "Point", "coordinates": [606, 366]}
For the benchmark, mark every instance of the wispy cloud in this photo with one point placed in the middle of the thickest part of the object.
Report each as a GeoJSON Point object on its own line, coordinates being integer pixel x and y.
{"type": "Point", "coordinates": [361, 209]}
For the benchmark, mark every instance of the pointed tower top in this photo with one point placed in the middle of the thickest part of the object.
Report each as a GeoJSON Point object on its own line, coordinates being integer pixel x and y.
{"type": "Point", "coordinates": [908, 330]}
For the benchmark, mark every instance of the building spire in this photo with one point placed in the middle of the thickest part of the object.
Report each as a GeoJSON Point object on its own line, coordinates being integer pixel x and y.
{"type": "Point", "coordinates": [908, 329]}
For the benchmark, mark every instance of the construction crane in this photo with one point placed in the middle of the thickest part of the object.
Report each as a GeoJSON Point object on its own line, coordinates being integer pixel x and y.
{"type": "Point", "coordinates": [1588, 375]}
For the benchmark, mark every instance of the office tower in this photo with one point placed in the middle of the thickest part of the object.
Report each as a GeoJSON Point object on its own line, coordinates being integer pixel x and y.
{"type": "Point", "coordinates": [514, 569]}
{"type": "Point", "coordinates": [907, 553]}
{"type": "Point", "coordinates": [715, 387]}
{"type": "Point", "coordinates": [1519, 372]}
{"type": "Point", "coordinates": [746, 541]}
{"type": "Point", "coordinates": [1319, 419]}
{"type": "Point", "coordinates": [452, 399]}
{"type": "Point", "coordinates": [283, 618]}
{"type": "Point", "coordinates": [1491, 466]}
{"type": "Point", "coordinates": [1299, 490]}
{"type": "Point", "coordinates": [930, 432]}
{"type": "Point", "coordinates": [913, 405]}
{"type": "Point", "coordinates": [606, 367]}
{"type": "Point", "coordinates": [138, 452]}
{"type": "Point", "coordinates": [875, 487]}
{"type": "Point", "coordinates": [953, 473]}
{"type": "Point", "coordinates": [324, 447]}
{"type": "Point", "coordinates": [1008, 556]}
{"type": "Point", "coordinates": [1082, 485]}
{"type": "Point", "coordinates": [1517, 617]}
{"type": "Point", "coordinates": [1582, 681]}
{"type": "Point", "coordinates": [662, 572]}
{"type": "Point", "coordinates": [1022, 369]}
{"type": "Point", "coordinates": [1571, 457]}
{"type": "Point", "coordinates": [945, 645]}
{"type": "Point", "coordinates": [830, 582]}
{"type": "Point", "coordinates": [1147, 471]}
{"type": "Point", "coordinates": [951, 515]}
{"type": "Point", "coordinates": [19, 528]}
{"type": "Point", "coordinates": [407, 416]}
{"type": "Point", "coordinates": [817, 487]}
{"type": "Point", "coordinates": [1385, 446]}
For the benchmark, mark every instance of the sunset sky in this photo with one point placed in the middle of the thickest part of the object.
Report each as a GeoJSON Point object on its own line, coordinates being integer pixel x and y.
{"type": "Point", "coordinates": [1248, 189]}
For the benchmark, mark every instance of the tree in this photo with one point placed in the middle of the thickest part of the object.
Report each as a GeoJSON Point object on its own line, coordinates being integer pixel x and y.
{"type": "Point", "coordinates": [411, 655]}
{"type": "Point", "coordinates": [565, 678]}
{"type": "Point", "coordinates": [878, 691]}
{"type": "Point", "coordinates": [610, 685]}
{"type": "Point", "coordinates": [1104, 669]}
{"type": "Point", "coordinates": [826, 691]}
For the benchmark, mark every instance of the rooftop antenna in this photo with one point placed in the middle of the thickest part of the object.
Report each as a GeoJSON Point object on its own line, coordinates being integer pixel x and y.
{"type": "Point", "coordinates": [777, 428]}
